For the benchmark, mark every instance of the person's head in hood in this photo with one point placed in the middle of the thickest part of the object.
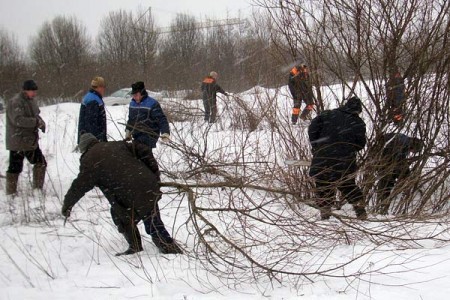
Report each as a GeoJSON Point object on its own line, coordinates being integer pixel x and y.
{"type": "Point", "coordinates": [353, 105]}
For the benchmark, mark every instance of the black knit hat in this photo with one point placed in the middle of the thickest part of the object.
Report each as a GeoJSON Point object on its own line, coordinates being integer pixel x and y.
{"type": "Point", "coordinates": [29, 85]}
{"type": "Point", "coordinates": [354, 105]}
{"type": "Point", "coordinates": [137, 87]}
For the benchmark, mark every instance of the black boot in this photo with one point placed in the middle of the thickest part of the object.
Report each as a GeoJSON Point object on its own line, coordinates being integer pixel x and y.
{"type": "Point", "coordinates": [166, 245]}
{"type": "Point", "coordinates": [360, 211]}
{"type": "Point", "coordinates": [133, 238]}
{"type": "Point", "coordinates": [39, 176]}
{"type": "Point", "coordinates": [325, 213]}
{"type": "Point", "coordinates": [11, 183]}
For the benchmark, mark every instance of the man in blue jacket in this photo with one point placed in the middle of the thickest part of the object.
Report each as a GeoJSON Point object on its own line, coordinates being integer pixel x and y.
{"type": "Point", "coordinates": [146, 123]}
{"type": "Point", "coordinates": [146, 119]}
{"type": "Point", "coordinates": [92, 117]}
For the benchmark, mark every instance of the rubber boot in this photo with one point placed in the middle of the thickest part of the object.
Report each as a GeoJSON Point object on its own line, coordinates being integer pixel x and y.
{"type": "Point", "coordinates": [133, 238]}
{"type": "Point", "coordinates": [11, 183]}
{"type": "Point", "coordinates": [360, 211]}
{"type": "Point", "coordinates": [39, 176]}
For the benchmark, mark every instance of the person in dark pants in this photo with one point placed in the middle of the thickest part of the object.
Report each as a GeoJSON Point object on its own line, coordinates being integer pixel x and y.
{"type": "Point", "coordinates": [395, 96]}
{"type": "Point", "coordinates": [22, 137]}
{"type": "Point", "coordinates": [336, 136]}
{"type": "Point", "coordinates": [125, 172]}
{"type": "Point", "coordinates": [210, 88]}
{"type": "Point", "coordinates": [146, 123]}
{"type": "Point", "coordinates": [394, 165]}
{"type": "Point", "coordinates": [301, 90]}
{"type": "Point", "coordinates": [92, 118]}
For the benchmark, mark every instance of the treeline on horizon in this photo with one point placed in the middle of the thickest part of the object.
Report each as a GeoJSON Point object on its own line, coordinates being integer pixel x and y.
{"type": "Point", "coordinates": [63, 58]}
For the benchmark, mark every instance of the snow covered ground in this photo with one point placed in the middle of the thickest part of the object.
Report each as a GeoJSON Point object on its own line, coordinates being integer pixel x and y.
{"type": "Point", "coordinates": [41, 258]}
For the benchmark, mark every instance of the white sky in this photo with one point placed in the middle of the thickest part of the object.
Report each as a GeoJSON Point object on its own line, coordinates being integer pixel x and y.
{"type": "Point", "coordinates": [23, 18]}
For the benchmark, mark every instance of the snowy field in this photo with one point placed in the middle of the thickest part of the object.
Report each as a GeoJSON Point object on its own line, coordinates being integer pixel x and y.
{"type": "Point", "coordinates": [41, 258]}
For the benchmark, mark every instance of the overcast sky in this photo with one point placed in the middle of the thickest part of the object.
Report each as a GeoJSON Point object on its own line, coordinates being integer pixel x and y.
{"type": "Point", "coordinates": [23, 18]}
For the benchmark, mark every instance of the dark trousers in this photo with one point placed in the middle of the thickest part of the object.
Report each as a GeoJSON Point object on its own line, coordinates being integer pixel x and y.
{"type": "Point", "coordinates": [296, 111]}
{"type": "Point", "coordinates": [384, 188]}
{"type": "Point", "coordinates": [210, 106]}
{"type": "Point", "coordinates": [126, 220]}
{"type": "Point", "coordinates": [326, 191]}
{"type": "Point", "coordinates": [154, 226]}
{"type": "Point", "coordinates": [16, 159]}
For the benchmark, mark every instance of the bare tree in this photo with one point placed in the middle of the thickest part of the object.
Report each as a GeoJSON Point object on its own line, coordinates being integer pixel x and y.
{"type": "Point", "coordinates": [61, 52]}
{"type": "Point", "coordinates": [115, 40]}
{"type": "Point", "coordinates": [12, 65]}
{"type": "Point", "coordinates": [115, 45]}
{"type": "Point", "coordinates": [144, 46]}
{"type": "Point", "coordinates": [358, 44]}
{"type": "Point", "coordinates": [180, 54]}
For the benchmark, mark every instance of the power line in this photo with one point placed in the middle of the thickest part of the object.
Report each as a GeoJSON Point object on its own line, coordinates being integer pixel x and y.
{"type": "Point", "coordinates": [198, 25]}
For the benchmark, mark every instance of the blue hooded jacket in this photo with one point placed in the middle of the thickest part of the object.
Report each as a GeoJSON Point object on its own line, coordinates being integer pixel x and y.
{"type": "Point", "coordinates": [92, 117]}
{"type": "Point", "coordinates": [146, 121]}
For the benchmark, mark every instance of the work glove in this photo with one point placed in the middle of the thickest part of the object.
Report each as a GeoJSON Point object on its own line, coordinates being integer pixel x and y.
{"type": "Point", "coordinates": [165, 137]}
{"type": "Point", "coordinates": [41, 124]}
{"type": "Point", "coordinates": [127, 135]}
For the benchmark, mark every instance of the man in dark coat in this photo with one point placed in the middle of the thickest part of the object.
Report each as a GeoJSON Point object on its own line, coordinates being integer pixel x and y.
{"type": "Point", "coordinates": [92, 117]}
{"type": "Point", "coordinates": [301, 91]}
{"type": "Point", "coordinates": [336, 135]}
{"type": "Point", "coordinates": [210, 88]}
{"type": "Point", "coordinates": [22, 137]}
{"type": "Point", "coordinates": [146, 119]}
{"type": "Point", "coordinates": [394, 165]}
{"type": "Point", "coordinates": [119, 169]}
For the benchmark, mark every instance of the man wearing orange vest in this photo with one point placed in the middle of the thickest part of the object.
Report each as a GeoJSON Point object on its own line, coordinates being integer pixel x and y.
{"type": "Point", "coordinates": [395, 96]}
{"type": "Point", "coordinates": [301, 90]}
{"type": "Point", "coordinates": [210, 89]}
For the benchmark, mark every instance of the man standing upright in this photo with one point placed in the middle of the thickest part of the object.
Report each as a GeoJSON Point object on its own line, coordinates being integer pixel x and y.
{"type": "Point", "coordinates": [336, 136]}
{"type": "Point", "coordinates": [210, 88]}
{"type": "Point", "coordinates": [395, 96]}
{"type": "Point", "coordinates": [92, 117]}
{"type": "Point", "coordinates": [22, 137]}
{"type": "Point", "coordinates": [301, 90]}
{"type": "Point", "coordinates": [146, 119]}
{"type": "Point", "coordinates": [146, 123]}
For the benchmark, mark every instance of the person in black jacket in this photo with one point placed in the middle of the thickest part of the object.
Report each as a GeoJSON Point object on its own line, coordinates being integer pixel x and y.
{"type": "Point", "coordinates": [126, 173]}
{"type": "Point", "coordinates": [301, 91]}
{"type": "Point", "coordinates": [92, 118]}
{"type": "Point", "coordinates": [210, 88]}
{"type": "Point", "coordinates": [336, 136]}
{"type": "Point", "coordinates": [394, 165]}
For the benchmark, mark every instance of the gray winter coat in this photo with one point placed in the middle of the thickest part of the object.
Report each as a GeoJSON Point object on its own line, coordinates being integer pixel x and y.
{"type": "Point", "coordinates": [22, 116]}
